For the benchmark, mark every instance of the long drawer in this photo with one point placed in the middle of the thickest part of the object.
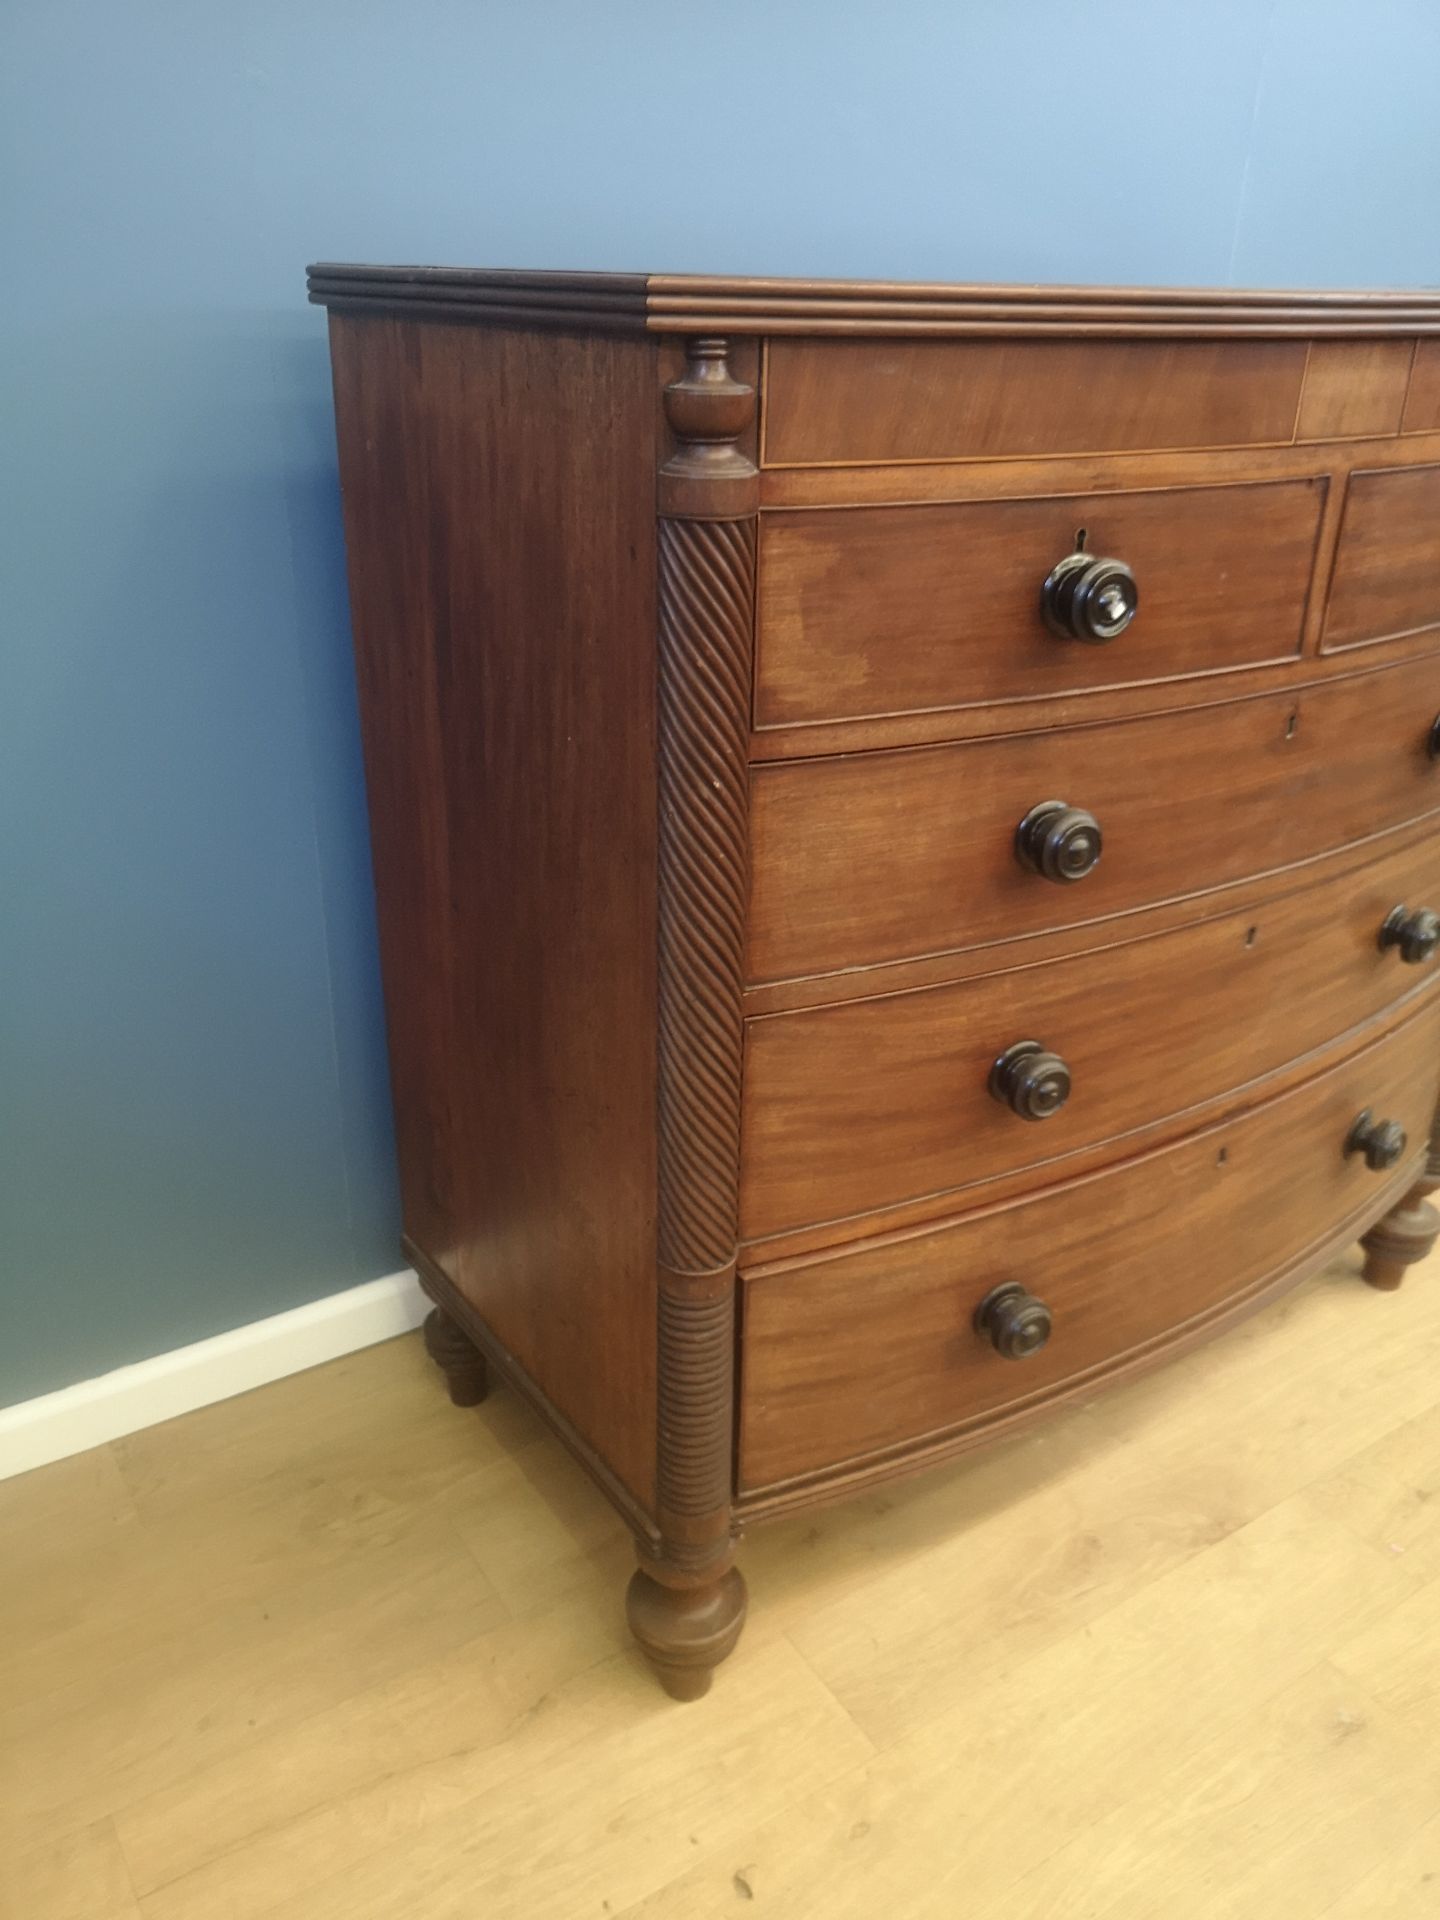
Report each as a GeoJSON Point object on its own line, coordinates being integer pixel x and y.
{"type": "Point", "coordinates": [862, 859]}
{"type": "Point", "coordinates": [874, 1348]}
{"type": "Point", "coordinates": [877, 610]}
{"type": "Point", "coordinates": [877, 1101]}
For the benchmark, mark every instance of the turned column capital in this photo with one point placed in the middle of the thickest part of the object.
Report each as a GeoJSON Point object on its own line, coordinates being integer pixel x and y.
{"type": "Point", "coordinates": [708, 476]}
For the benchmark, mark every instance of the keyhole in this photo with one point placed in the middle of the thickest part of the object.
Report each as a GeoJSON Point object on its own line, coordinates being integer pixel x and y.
{"type": "Point", "coordinates": [1080, 534]}
{"type": "Point", "coordinates": [1292, 725]}
{"type": "Point", "coordinates": [1251, 936]}
{"type": "Point", "coordinates": [1222, 1156]}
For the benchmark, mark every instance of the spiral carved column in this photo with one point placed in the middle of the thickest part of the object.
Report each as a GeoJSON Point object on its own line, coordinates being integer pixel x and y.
{"type": "Point", "coordinates": [687, 1604]}
{"type": "Point", "coordinates": [1409, 1231]}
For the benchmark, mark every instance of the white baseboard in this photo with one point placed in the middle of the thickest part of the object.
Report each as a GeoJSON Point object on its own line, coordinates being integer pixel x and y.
{"type": "Point", "coordinates": [94, 1411]}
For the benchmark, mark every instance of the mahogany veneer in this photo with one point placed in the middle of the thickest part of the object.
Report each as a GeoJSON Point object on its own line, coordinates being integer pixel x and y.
{"type": "Point", "coordinates": [829, 404]}
{"type": "Point", "coordinates": [1387, 565]}
{"type": "Point", "coordinates": [860, 1350]}
{"type": "Point", "coordinates": [895, 609]}
{"type": "Point", "coordinates": [866, 858]}
{"type": "Point", "coordinates": [899, 898]}
{"type": "Point", "coordinates": [865, 1104]}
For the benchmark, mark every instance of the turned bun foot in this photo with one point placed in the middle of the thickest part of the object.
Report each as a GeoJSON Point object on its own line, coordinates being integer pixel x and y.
{"type": "Point", "coordinates": [1405, 1234]}
{"type": "Point", "coordinates": [458, 1358]}
{"type": "Point", "coordinates": [685, 1632]}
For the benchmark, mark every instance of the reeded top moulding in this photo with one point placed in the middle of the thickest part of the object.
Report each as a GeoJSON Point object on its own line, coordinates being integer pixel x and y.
{"type": "Point", "coordinates": [695, 303]}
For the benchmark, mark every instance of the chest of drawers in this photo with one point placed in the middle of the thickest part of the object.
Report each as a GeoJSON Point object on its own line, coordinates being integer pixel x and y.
{"type": "Point", "coordinates": [905, 829]}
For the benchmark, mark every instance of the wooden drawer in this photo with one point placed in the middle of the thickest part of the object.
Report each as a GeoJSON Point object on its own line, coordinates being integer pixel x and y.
{"type": "Point", "coordinates": [879, 1101]}
{"type": "Point", "coordinates": [875, 1348]}
{"type": "Point", "coordinates": [878, 856]}
{"type": "Point", "coordinates": [1386, 578]}
{"type": "Point", "coordinates": [853, 401]}
{"type": "Point", "coordinates": [876, 610]}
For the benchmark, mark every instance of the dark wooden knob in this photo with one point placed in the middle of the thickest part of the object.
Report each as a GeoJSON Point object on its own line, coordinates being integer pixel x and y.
{"type": "Point", "coordinates": [1085, 598]}
{"type": "Point", "coordinates": [1030, 1080]}
{"type": "Point", "coordinates": [1382, 1142]}
{"type": "Point", "coordinates": [1415, 932]}
{"type": "Point", "coordinates": [1058, 841]}
{"type": "Point", "coordinates": [1014, 1321]}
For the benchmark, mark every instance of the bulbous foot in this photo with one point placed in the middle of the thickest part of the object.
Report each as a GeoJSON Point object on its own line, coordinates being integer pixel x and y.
{"type": "Point", "coordinates": [1400, 1238]}
{"type": "Point", "coordinates": [685, 1632]}
{"type": "Point", "coordinates": [458, 1358]}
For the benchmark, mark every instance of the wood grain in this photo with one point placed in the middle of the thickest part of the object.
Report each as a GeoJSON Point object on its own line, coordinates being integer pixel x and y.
{"type": "Point", "coordinates": [1387, 567]}
{"type": "Point", "coordinates": [940, 969]}
{"type": "Point", "coordinates": [1354, 388]}
{"type": "Point", "coordinates": [874, 858]}
{"type": "Point", "coordinates": [884, 610]}
{"type": "Point", "coordinates": [551, 516]}
{"type": "Point", "coordinates": [857, 401]}
{"type": "Point", "coordinates": [684, 303]}
{"type": "Point", "coordinates": [80, 1877]}
{"type": "Point", "coordinates": [1173, 1560]}
{"type": "Point", "coordinates": [1422, 401]}
{"type": "Point", "coordinates": [873, 1347]}
{"type": "Point", "coordinates": [1246, 1814]}
{"type": "Point", "coordinates": [524, 1080]}
{"type": "Point", "coordinates": [1162, 1487]}
{"type": "Point", "coordinates": [1144, 1733]}
{"type": "Point", "coordinates": [707, 586]}
{"type": "Point", "coordinates": [686, 1603]}
{"type": "Point", "coordinates": [860, 1106]}
{"type": "Point", "coordinates": [932, 482]}
{"type": "Point", "coordinates": [605, 302]}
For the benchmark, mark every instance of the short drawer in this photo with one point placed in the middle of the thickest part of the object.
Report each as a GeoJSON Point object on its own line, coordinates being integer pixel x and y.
{"type": "Point", "coordinates": [872, 857]}
{"type": "Point", "coordinates": [878, 610]}
{"type": "Point", "coordinates": [876, 1348]}
{"type": "Point", "coordinates": [829, 402]}
{"type": "Point", "coordinates": [1386, 578]}
{"type": "Point", "coordinates": [878, 1101]}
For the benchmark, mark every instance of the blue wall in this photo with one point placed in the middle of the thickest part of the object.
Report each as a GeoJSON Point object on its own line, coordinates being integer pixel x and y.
{"type": "Point", "coordinates": [193, 1127]}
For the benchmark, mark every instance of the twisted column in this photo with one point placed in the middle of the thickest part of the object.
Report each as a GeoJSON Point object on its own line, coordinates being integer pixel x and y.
{"type": "Point", "coordinates": [687, 1604]}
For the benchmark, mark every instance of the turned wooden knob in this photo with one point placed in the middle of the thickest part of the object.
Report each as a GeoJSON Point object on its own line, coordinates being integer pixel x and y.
{"type": "Point", "coordinates": [1382, 1142]}
{"type": "Point", "coordinates": [1014, 1321]}
{"type": "Point", "coordinates": [1085, 598]}
{"type": "Point", "coordinates": [1416, 933]}
{"type": "Point", "coordinates": [1030, 1080]}
{"type": "Point", "coordinates": [1058, 841]}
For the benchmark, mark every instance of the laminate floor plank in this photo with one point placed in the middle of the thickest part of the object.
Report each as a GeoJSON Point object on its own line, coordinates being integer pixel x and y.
{"type": "Point", "coordinates": [140, 1723]}
{"type": "Point", "coordinates": [953, 1815]}
{"type": "Point", "coordinates": [81, 1876]}
{"type": "Point", "coordinates": [1052, 1531]}
{"type": "Point", "coordinates": [1403, 1887]}
{"type": "Point", "coordinates": [337, 1648]}
{"type": "Point", "coordinates": [1314, 1790]}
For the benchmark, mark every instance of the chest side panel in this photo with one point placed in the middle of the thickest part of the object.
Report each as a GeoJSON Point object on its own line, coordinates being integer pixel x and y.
{"type": "Point", "coordinates": [499, 500]}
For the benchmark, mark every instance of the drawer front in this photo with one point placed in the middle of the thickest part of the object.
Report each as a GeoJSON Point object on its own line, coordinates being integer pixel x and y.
{"type": "Point", "coordinates": [878, 856]}
{"type": "Point", "coordinates": [877, 610]}
{"type": "Point", "coordinates": [830, 402]}
{"type": "Point", "coordinates": [875, 1348]}
{"type": "Point", "coordinates": [1422, 399]}
{"type": "Point", "coordinates": [869, 1104]}
{"type": "Point", "coordinates": [1386, 578]}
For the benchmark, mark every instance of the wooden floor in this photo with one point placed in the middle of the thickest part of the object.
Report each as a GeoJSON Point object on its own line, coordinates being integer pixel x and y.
{"type": "Point", "coordinates": [338, 1651]}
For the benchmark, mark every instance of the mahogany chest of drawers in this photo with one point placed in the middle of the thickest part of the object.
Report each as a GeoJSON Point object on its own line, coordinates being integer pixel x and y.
{"type": "Point", "coordinates": [905, 831]}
